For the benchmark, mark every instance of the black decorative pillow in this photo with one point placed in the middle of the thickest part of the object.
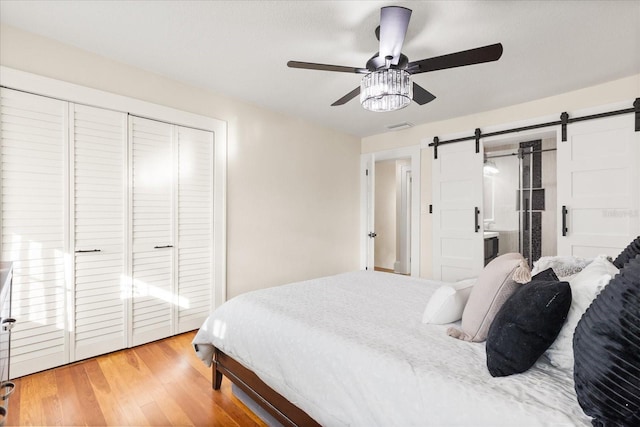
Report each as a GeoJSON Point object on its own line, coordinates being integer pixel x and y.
{"type": "Point", "coordinates": [526, 325]}
{"type": "Point", "coordinates": [628, 253]}
{"type": "Point", "coordinates": [606, 348]}
{"type": "Point", "coordinates": [547, 275]}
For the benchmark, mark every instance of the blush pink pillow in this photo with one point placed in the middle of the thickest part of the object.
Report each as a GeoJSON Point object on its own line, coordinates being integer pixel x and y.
{"type": "Point", "coordinates": [497, 281]}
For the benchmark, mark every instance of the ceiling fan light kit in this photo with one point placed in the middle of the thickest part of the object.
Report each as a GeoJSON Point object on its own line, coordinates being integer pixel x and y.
{"type": "Point", "coordinates": [386, 90]}
{"type": "Point", "coordinates": [388, 86]}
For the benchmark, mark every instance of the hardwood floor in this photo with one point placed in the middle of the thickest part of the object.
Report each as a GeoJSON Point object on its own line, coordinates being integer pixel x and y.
{"type": "Point", "coordinates": [162, 384]}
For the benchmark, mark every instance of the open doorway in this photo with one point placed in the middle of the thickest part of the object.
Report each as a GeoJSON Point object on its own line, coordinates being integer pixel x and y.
{"type": "Point", "coordinates": [392, 251]}
{"type": "Point", "coordinates": [395, 236]}
{"type": "Point", "coordinates": [520, 198]}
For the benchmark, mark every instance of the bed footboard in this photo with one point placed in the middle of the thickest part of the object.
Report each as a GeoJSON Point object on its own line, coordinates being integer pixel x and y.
{"type": "Point", "coordinates": [271, 401]}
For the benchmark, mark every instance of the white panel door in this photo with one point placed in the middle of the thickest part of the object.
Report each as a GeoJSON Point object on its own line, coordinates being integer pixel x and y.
{"type": "Point", "coordinates": [458, 245]}
{"type": "Point", "coordinates": [152, 219]}
{"type": "Point", "coordinates": [195, 228]}
{"type": "Point", "coordinates": [598, 184]}
{"type": "Point", "coordinates": [34, 236]}
{"type": "Point", "coordinates": [98, 147]}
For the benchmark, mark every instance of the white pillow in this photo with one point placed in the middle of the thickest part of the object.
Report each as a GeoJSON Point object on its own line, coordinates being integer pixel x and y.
{"type": "Point", "coordinates": [447, 303]}
{"type": "Point", "coordinates": [563, 266]}
{"type": "Point", "coordinates": [585, 286]}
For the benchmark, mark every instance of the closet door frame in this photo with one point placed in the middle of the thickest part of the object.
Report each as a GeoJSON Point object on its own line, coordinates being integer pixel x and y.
{"type": "Point", "coordinates": [70, 92]}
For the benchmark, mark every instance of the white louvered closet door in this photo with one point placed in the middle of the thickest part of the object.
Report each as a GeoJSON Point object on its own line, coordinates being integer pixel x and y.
{"type": "Point", "coordinates": [98, 147]}
{"type": "Point", "coordinates": [152, 216]}
{"type": "Point", "coordinates": [195, 228]}
{"type": "Point", "coordinates": [34, 132]}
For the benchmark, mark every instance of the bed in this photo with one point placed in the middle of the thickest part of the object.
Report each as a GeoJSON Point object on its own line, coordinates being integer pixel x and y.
{"type": "Point", "coordinates": [351, 349]}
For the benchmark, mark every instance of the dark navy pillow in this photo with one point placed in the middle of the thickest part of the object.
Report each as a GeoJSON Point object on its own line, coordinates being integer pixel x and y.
{"type": "Point", "coordinates": [547, 275]}
{"type": "Point", "coordinates": [628, 253]}
{"type": "Point", "coordinates": [526, 325]}
{"type": "Point", "coordinates": [606, 348]}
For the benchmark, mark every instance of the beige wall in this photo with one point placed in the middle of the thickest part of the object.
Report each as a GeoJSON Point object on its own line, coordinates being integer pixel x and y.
{"type": "Point", "coordinates": [612, 92]}
{"type": "Point", "coordinates": [293, 187]}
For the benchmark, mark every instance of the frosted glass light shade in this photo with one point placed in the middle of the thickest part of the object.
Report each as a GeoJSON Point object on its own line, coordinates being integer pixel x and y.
{"type": "Point", "coordinates": [386, 90]}
{"type": "Point", "coordinates": [490, 168]}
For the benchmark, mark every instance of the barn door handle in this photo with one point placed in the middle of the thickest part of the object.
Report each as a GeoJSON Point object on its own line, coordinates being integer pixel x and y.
{"type": "Point", "coordinates": [564, 220]}
{"type": "Point", "coordinates": [477, 218]}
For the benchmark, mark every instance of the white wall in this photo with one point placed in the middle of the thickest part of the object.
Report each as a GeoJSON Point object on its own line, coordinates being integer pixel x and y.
{"type": "Point", "coordinates": [616, 91]}
{"type": "Point", "coordinates": [293, 187]}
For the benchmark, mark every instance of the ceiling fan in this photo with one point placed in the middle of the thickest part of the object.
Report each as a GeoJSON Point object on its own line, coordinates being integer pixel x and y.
{"type": "Point", "coordinates": [386, 85]}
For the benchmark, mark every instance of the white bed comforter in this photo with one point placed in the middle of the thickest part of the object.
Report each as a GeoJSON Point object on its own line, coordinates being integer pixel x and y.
{"type": "Point", "coordinates": [351, 350]}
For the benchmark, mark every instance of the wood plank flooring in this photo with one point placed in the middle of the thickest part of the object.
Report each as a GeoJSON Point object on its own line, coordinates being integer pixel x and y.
{"type": "Point", "coordinates": [158, 384]}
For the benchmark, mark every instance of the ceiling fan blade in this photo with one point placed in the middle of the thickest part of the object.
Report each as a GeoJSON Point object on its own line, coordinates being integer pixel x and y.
{"type": "Point", "coordinates": [421, 95]}
{"type": "Point", "coordinates": [326, 67]}
{"type": "Point", "coordinates": [348, 97]}
{"type": "Point", "coordinates": [394, 21]}
{"type": "Point", "coordinates": [459, 59]}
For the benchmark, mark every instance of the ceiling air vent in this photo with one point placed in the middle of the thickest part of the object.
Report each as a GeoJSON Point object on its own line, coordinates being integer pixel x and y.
{"type": "Point", "coordinates": [400, 126]}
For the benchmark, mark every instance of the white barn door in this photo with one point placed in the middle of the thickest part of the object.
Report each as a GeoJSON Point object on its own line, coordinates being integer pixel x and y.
{"type": "Point", "coordinates": [598, 186]}
{"type": "Point", "coordinates": [458, 245]}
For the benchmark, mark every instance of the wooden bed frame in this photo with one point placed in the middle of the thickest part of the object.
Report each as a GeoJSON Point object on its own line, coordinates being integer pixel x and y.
{"type": "Point", "coordinates": [270, 400]}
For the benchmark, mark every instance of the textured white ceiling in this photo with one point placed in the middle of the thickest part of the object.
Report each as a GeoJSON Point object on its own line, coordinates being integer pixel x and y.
{"type": "Point", "coordinates": [240, 48]}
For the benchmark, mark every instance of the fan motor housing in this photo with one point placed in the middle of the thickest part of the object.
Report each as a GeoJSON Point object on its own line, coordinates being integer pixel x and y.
{"type": "Point", "coordinates": [377, 62]}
